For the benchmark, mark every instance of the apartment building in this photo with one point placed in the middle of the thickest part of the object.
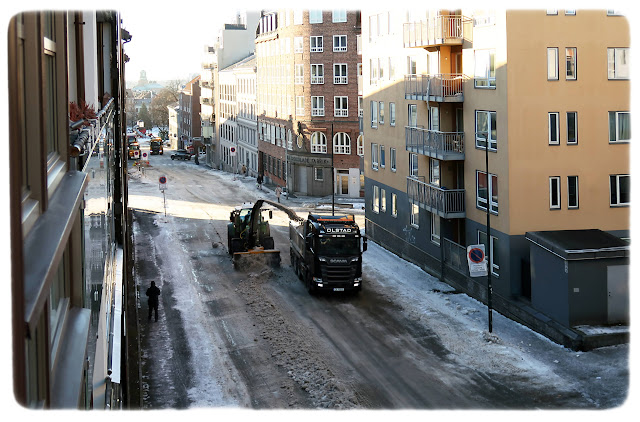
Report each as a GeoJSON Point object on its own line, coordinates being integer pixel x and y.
{"type": "Point", "coordinates": [247, 135]}
{"type": "Point", "coordinates": [68, 210]}
{"type": "Point", "coordinates": [307, 101]}
{"type": "Point", "coordinates": [207, 101]}
{"type": "Point", "coordinates": [189, 126]}
{"type": "Point", "coordinates": [473, 123]}
{"type": "Point", "coordinates": [173, 111]}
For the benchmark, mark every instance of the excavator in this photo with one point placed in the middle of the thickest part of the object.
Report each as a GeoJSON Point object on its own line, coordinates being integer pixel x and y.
{"type": "Point", "coordinates": [249, 235]}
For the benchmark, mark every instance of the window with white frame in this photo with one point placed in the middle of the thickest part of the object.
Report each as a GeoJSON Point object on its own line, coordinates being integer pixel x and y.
{"type": "Point", "coordinates": [552, 11]}
{"type": "Point", "coordinates": [434, 171]}
{"type": "Point", "coordinates": [392, 114]}
{"type": "Point", "coordinates": [486, 129]}
{"type": "Point", "coordinates": [570, 12]}
{"type": "Point", "coordinates": [360, 147]}
{"type": "Point", "coordinates": [554, 128]}
{"type": "Point", "coordinates": [382, 156]}
{"type": "Point", "coordinates": [554, 192]}
{"type": "Point", "coordinates": [340, 73]}
{"type": "Point", "coordinates": [339, 16]}
{"type": "Point", "coordinates": [374, 113]}
{"type": "Point", "coordinates": [381, 66]}
{"type": "Point", "coordinates": [339, 43]}
{"type": "Point", "coordinates": [619, 189]}
{"type": "Point", "coordinates": [340, 106]}
{"type": "Point", "coordinates": [381, 113]}
{"type": "Point", "coordinates": [486, 192]}
{"type": "Point", "coordinates": [317, 73]}
{"type": "Point", "coordinates": [317, 106]}
{"type": "Point", "coordinates": [412, 120]}
{"type": "Point", "coordinates": [315, 16]}
{"type": "Point", "coordinates": [299, 74]}
{"type": "Point", "coordinates": [297, 17]}
{"type": "Point", "coordinates": [375, 203]}
{"type": "Point", "coordinates": [298, 44]}
{"type": "Point", "coordinates": [318, 143]}
{"type": "Point", "coordinates": [414, 217]}
{"type": "Point", "coordinates": [435, 228]}
{"type": "Point", "coordinates": [552, 63]}
{"type": "Point", "coordinates": [571, 54]}
{"type": "Point", "coordinates": [413, 165]}
{"type": "Point", "coordinates": [318, 174]}
{"type": "Point", "coordinates": [392, 158]}
{"type": "Point", "coordinates": [373, 71]}
{"type": "Point", "coordinates": [359, 44]}
{"type": "Point", "coordinates": [300, 105]}
{"type": "Point", "coordinates": [341, 143]}
{"type": "Point", "coordinates": [383, 200]}
{"type": "Point", "coordinates": [412, 66]}
{"type": "Point", "coordinates": [572, 127]}
{"type": "Point", "coordinates": [618, 63]}
{"type": "Point", "coordinates": [374, 156]}
{"type": "Point", "coordinates": [392, 68]}
{"type": "Point", "coordinates": [572, 192]}
{"type": "Point", "coordinates": [492, 250]}
{"type": "Point", "coordinates": [485, 69]}
{"type": "Point", "coordinates": [619, 126]}
{"type": "Point", "coordinates": [316, 44]}
{"type": "Point", "coordinates": [360, 106]}
{"type": "Point", "coordinates": [394, 205]}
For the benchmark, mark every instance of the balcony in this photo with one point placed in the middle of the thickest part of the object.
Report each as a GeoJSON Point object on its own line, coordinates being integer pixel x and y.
{"type": "Point", "coordinates": [445, 146]}
{"type": "Point", "coordinates": [438, 31]}
{"type": "Point", "coordinates": [446, 203]}
{"type": "Point", "coordinates": [440, 88]}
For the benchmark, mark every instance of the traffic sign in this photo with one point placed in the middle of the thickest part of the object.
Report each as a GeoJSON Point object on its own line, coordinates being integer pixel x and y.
{"type": "Point", "coordinates": [477, 260]}
{"type": "Point", "coordinates": [144, 154]}
{"type": "Point", "coordinates": [162, 183]}
{"type": "Point", "coordinates": [233, 151]}
{"type": "Point", "coordinates": [162, 180]}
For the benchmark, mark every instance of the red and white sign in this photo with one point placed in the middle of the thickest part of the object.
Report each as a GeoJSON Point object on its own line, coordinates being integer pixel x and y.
{"type": "Point", "coordinates": [477, 260]}
{"type": "Point", "coordinates": [162, 182]}
{"type": "Point", "coordinates": [233, 151]}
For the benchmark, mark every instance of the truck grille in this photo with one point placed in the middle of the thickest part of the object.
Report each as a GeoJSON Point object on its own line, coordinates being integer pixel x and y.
{"type": "Point", "coordinates": [337, 274]}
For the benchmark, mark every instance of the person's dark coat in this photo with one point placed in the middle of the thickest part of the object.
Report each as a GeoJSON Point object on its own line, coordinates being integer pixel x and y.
{"type": "Point", "coordinates": [153, 292]}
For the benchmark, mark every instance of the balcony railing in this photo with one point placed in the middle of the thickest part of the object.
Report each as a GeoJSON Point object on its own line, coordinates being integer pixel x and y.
{"type": "Point", "coordinates": [433, 143]}
{"type": "Point", "coordinates": [441, 87]}
{"type": "Point", "coordinates": [338, 112]}
{"type": "Point", "coordinates": [447, 203]}
{"type": "Point", "coordinates": [339, 80]}
{"type": "Point", "coordinates": [441, 30]}
{"type": "Point", "coordinates": [317, 80]}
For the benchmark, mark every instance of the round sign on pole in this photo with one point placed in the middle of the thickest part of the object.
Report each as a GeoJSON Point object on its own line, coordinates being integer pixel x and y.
{"type": "Point", "coordinates": [144, 154]}
{"type": "Point", "coordinates": [162, 180]}
{"type": "Point", "coordinates": [476, 255]}
{"type": "Point", "coordinates": [233, 151]}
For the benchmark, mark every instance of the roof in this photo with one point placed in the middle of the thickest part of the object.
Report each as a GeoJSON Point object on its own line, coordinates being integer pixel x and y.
{"type": "Point", "coordinates": [248, 62]}
{"type": "Point", "coordinates": [580, 244]}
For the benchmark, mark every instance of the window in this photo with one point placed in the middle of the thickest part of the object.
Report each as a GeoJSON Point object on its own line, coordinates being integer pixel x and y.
{"type": "Point", "coordinates": [411, 66]}
{"type": "Point", "coordinates": [554, 192]}
{"type": "Point", "coordinates": [339, 16]}
{"type": "Point", "coordinates": [299, 74]}
{"type": "Point", "coordinates": [392, 114]}
{"type": "Point", "coordinates": [552, 63]}
{"type": "Point", "coordinates": [435, 229]}
{"type": "Point", "coordinates": [339, 43]}
{"type": "Point", "coordinates": [317, 106]}
{"type": "Point", "coordinates": [382, 156]}
{"type": "Point", "coordinates": [315, 16]}
{"type": "Point", "coordinates": [340, 107]}
{"type": "Point", "coordinates": [412, 115]}
{"type": "Point", "coordinates": [341, 143]}
{"type": "Point", "coordinates": [374, 156]}
{"type": "Point", "coordinates": [373, 70]}
{"type": "Point", "coordinates": [492, 250]}
{"type": "Point", "coordinates": [376, 199]}
{"type": "Point", "coordinates": [383, 200]}
{"type": "Point", "coordinates": [434, 171]}
{"type": "Point", "coordinates": [619, 189]}
{"type": "Point", "coordinates": [381, 113]}
{"type": "Point", "coordinates": [339, 73]}
{"type": "Point", "coordinates": [318, 143]}
{"type": "Point", "coordinates": [485, 69]}
{"type": "Point", "coordinates": [619, 126]}
{"type": "Point", "coordinates": [414, 218]}
{"type": "Point", "coordinates": [554, 128]}
{"type": "Point", "coordinates": [552, 11]}
{"type": "Point", "coordinates": [572, 127]}
{"type": "Point", "coordinates": [298, 45]}
{"type": "Point", "coordinates": [571, 54]}
{"type": "Point", "coordinates": [570, 12]}
{"type": "Point", "coordinates": [300, 105]}
{"type": "Point", "coordinates": [413, 165]}
{"type": "Point", "coordinates": [572, 192]}
{"type": "Point", "coordinates": [318, 174]}
{"type": "Point", "coordinates": [360, 147]}
{"type": "Point", "coordinates": [297, 17]}
{"type": "Point", "coordinates": [618, 63]}
{"type": "Point", "coordinates": [392, 69]}
{"type": "Point", "coordinates": [486, 129]}
{"type": "Point", "coordinates": [394, 205]}
{"type": "Point", "coordinates": [486, 192]}
{"type": "Point", "coordinates": [392, 158]}
{"type": "Point", "coordinates": [374, 114]}
{"type": "Point", "coordinates": [317, 73]}
{"type": "Point", "coordinates": [315, 44]}
{"type": "Point", "coordinates": [360, 106]}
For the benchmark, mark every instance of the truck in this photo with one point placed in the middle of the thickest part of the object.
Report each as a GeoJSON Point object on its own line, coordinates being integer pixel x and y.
{"type": "Point", "coordinates": [155, 146]}
{"type": "Point", "coordinates": [326, 252]}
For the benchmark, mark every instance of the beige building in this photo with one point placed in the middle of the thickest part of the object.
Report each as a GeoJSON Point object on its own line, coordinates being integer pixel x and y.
{"type": "Point", "coordinates": [546, 90]}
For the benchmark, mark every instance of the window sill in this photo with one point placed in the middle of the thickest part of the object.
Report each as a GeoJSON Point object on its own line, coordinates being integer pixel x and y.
{"type": "Point", "coordinates": [619, 205]}
{"type": "Point", "coordinates": [619, 142]}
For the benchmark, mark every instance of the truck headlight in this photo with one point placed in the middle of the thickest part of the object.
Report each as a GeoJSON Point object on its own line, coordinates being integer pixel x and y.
{"type": "Point", "coordinates": [357, 280]}
{"type": "Point", "coordinates": [317, 280]}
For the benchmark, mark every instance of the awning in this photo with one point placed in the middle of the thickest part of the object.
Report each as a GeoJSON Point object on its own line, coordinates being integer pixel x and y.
{"type": "Point", "coordinates": [580, 244]}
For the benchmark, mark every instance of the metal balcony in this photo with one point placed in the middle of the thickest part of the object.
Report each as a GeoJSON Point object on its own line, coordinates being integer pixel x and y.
{"type": "Point", "coordinates": [445, 146]}
{"type": "Point", "coordinates": [441, 87]}
{"type": "Point", "coordinates": [438, 31]}
{"type": "Point", "coordinates": [446, 203]}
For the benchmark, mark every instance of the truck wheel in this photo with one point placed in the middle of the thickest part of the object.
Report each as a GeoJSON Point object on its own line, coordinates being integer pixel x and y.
{"type": "Point", "coordinates": [309, 282]}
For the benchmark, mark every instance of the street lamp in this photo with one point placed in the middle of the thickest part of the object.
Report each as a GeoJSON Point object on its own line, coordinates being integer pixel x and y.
{"type": "Point", "coordinates": [488, 251]}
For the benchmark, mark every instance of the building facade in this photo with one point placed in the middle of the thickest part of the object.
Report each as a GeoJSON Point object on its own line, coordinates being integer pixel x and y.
{"type": "Point", "coordinates": [307, 101]}
{"type": "Point", "coordinates": [247, 123]}
{"type": "Point", "coordinates": [471, 123]}
{"type": "Point", "coordinates": [68, 209]}
{"type": "Point", "coordinates": [189, 127]}
{"type": "Point", "coordinates": [207, 101]}
{"type": "Point", "coordinates": [173, 111]}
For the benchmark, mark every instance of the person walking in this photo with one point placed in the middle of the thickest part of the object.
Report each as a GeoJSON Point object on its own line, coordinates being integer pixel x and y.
{"type": "Point", "coordinates": [259, 180]}
{"type": "Point", "coordinates": [153, 292]}
{"type": "Point", "coordinates": [278, 193]}
{"type": "Point", "coordinates": [244, 171]}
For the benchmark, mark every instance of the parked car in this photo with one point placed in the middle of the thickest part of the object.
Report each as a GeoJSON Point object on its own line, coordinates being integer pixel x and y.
{"type": "Point", "coordinates": [181, 154]}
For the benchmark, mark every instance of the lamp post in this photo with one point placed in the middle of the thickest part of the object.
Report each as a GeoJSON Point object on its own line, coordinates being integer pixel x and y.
{"type": "Point", "coordinates": [333, 178]}
{"type": "Point", "coordinates": [488, 251]}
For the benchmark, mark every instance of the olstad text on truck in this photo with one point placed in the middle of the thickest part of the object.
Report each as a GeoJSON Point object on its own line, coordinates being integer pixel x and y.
{"type": "Point", "coordinates": [326, 252]}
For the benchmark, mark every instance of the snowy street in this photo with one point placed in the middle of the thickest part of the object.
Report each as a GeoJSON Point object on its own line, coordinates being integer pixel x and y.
{"type": "Point", "coordinates": [258, 340]}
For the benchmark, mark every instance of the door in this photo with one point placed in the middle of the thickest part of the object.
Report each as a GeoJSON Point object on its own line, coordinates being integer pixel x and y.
{"type": "Point", "coordinates": [342, 184]}
{"type": "Point", "coordinates": [301, 179]}
{"type": "Point", "coordinates": [617, 294]}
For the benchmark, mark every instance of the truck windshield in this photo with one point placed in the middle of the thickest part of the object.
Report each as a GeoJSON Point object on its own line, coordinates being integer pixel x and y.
{"type": "Point", "coordinates": [329, 245]}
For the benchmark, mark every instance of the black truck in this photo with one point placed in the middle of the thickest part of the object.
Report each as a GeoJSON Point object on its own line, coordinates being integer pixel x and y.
{"type": "Point", "coordinates": [326, 252]}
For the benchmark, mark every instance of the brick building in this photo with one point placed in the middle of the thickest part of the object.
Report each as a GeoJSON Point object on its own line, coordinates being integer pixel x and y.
{"type": "Point", "coordinates": [189, 126]}
{"type": "Point", "coordinates": [308, 65]}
